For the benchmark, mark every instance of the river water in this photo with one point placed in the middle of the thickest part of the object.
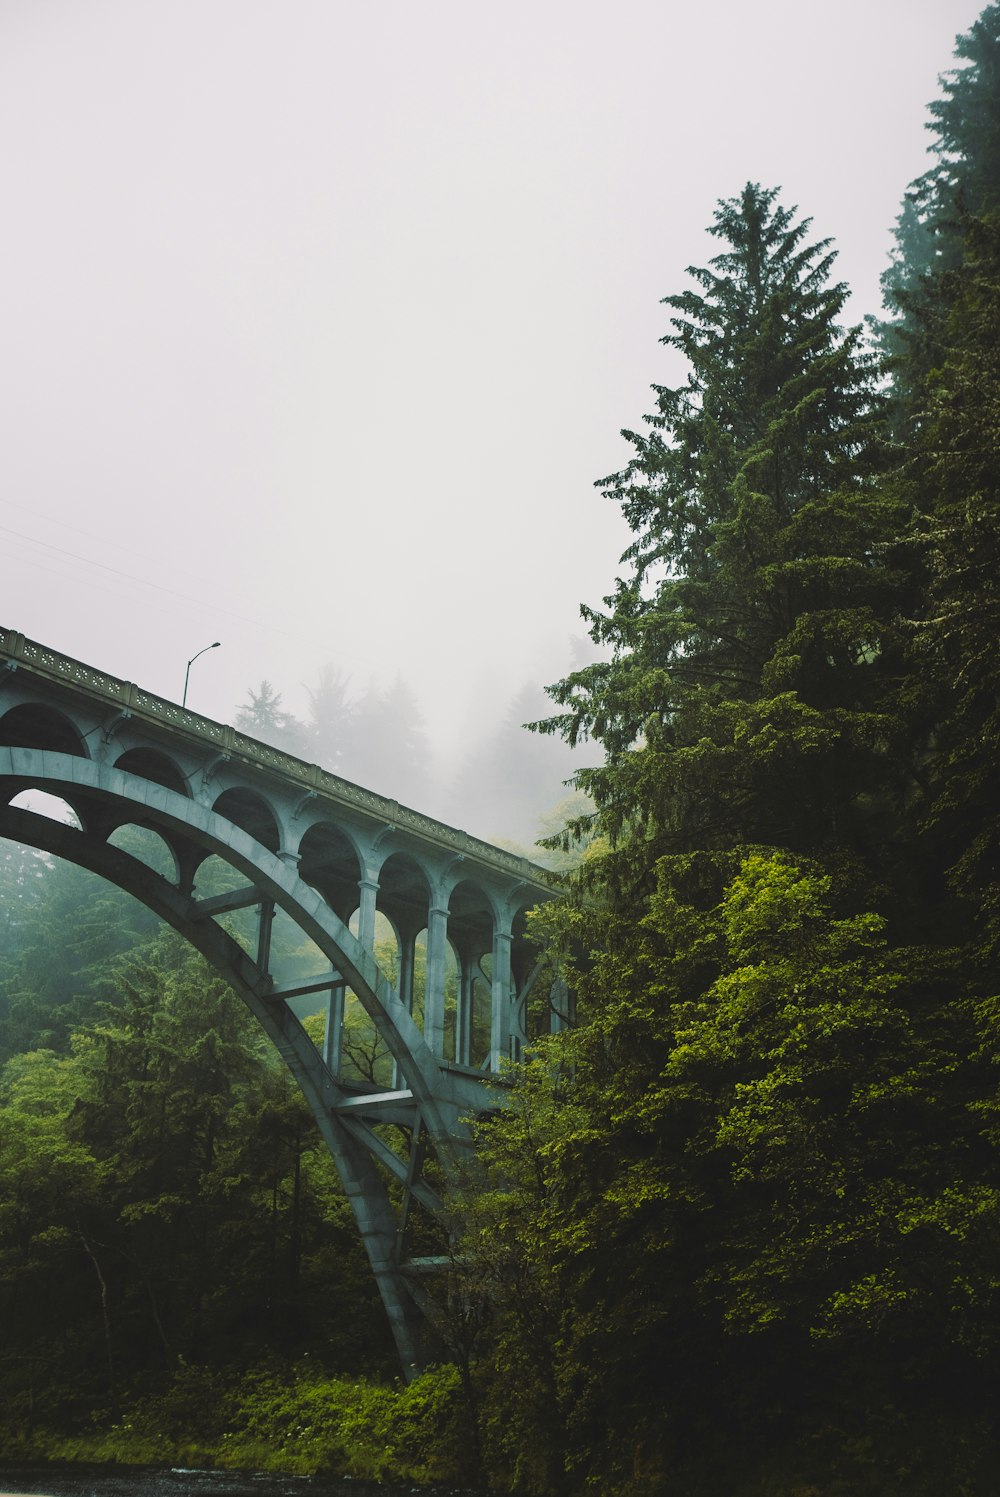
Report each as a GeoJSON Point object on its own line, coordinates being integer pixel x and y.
{"type": "Point", "coordinates": [145, 1481]}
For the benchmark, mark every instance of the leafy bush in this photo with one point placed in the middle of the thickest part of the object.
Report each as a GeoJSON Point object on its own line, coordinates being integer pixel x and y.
{"type": "Point", "coordinates": [295, 1420]}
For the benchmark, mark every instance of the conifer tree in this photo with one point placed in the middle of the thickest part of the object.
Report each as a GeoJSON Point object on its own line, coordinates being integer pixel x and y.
{"type": "Point", "coordinates": [961, 185]}
{"type": "Point", "coordinates": [955, 479]}
{"type": "Point", "coordinates": [737, 1189]}
{"type": "Point", "coordinates": [263, 717]}
{"type": "Point", "coordinates": [752, 655]}
{"type": "Point", "coordinates": [942, 294]}
{"type": "Point", "coordinates": [331, 718]}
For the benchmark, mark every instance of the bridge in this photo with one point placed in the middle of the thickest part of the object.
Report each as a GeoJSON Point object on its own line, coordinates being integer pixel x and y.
{"type": "Point", "coordinates": [311, 896]}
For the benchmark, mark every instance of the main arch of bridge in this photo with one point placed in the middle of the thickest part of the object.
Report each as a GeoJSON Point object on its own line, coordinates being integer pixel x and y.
{"type": "Point", "coordinates": [335, 864]}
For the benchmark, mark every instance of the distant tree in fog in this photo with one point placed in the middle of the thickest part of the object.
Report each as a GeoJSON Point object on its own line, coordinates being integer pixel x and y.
{"type": "Point", "coordinates": [263, 717]}
{"type": "Point", "coordinates": [387, 748]}
{"type": "Point", "coordinates": [332, 717]}
{"type": "Point", "coordinates": [932, 231]}
{"type": "Point", "coordinates": [510, 777]}
{"type": "Point", "coordinates": [377, 740]}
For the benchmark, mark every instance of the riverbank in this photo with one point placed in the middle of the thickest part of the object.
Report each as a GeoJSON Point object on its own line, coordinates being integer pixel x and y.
{"type": "Point", "coordinates": [293, 1425]}
{"type": "Point", "coordinates": [102, 1480]}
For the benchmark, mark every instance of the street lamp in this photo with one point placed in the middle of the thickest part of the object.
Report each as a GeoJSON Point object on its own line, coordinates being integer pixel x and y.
{"type": "Point", "coordinates": [191, 662]}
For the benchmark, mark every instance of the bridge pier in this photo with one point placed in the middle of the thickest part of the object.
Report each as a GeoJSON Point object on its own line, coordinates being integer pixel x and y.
{"type": "Point", "coordinates": [334, 1031]}
{"type": "Point", "coordinates": [434, 982]}
{"type": "Point", "coordinates": [500, 1040]}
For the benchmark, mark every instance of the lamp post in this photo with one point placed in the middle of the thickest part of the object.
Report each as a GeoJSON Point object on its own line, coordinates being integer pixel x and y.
{"type": "Point", "coordinates": [191, 662]}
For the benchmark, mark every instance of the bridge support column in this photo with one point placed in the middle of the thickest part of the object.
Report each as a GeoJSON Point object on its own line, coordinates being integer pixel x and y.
{"type": "Point", "coordinates": [265, 920]}
{"type": "Point", "coordinates": [500, 1028]}
{"type": "Point", "coordinates": [407, 961]}
{"type": "Point", "coordinates": [334, 1034]}
{"type": "Point", "coordinates": [407, 955]}
{"type": "Point", "coordinates": [463, 1018]}
{"type": "Point", "coordinates": [437, 937]}
{"type": "Point", "coordinates": [368, 888]}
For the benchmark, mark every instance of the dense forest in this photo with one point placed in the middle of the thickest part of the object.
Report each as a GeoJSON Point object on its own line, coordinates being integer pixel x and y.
{"type": "Point", "coordinates": [735, 1234]}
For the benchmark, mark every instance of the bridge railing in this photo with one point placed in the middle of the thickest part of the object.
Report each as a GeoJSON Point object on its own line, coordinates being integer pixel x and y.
{"type": "Point", "coordinates": [41, 660]}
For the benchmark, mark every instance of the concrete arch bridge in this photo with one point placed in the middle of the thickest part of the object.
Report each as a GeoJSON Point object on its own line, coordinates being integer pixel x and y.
{"type": "Point", "coordinates": [308, 894]}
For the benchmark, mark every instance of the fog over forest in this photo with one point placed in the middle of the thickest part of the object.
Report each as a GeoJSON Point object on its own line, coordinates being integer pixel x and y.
{"type": "Point", "coordinates": [320, 325]}
{"type": "Point", "coordinates": [509, 785]}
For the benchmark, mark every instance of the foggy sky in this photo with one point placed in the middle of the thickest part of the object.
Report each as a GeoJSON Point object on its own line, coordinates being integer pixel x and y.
{"type": "Point", "coordinates": [320, 319]}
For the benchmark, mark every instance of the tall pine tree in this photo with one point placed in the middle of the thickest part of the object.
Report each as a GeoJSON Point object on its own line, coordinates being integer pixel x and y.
{"type": "Point", "coordinates": [942, 297]}
{"type": "Point", "coordinates": [961, 185]}
{"type": "Point", "coordinates": [739, 1219]}
{"type": "Point", "coordinates": [747, 697]}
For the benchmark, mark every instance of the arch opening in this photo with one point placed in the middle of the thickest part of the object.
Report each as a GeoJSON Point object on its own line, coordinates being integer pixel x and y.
{"type": "Point", "coordinates": [328, 861]}
{"type": "Point", "coordinates": [481, 1018]}
{"type": "Point", "coordinates": [35, 725]}
{"type": "Point", "coordinates": [45, 804]}
{"type": "Point", "coordinates": [365, 1059]}
{"type": "Point", "coordinates": [213, 877]}
{"type": "Point", "coordinates": [252, 814]}
{"type": "Point", "coordinates": [146, 845]}
{"type": "Point", "coordinates": [150, 764]}
{"type": "Point", "coordinates": [404, 893]}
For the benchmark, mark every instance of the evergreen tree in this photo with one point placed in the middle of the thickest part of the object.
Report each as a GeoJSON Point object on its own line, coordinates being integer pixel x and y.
{"type": "Point", "coordinates": [263, 717]}
{"type": "Point", "coordinates": [737, 1225]}
{"type": "Point", "coordinates": [22, 874]}
{"type": "Point", "coordinates": [509, 778]}
{"type": "Point", "coordinates": [943, 294]}
{"type": "Point", "coordinates": [388, 745]}
{"type": "Point", "coordinates": [758, 1182]}
{"type": "Point", "coordinates": [962, 184]}
{"type": "Point", "coordinates": [164, 1194]}
{"type": "Point", "coordinates": [965, 123]}
{"type": "Point", "coordinates": [49, 985]}
{"type": "Point", "coordinates": [749, 692]}
{"type": "Point", "coordinates": [331, 719]}
{"type": "Point", "coordinates": [955, 480]}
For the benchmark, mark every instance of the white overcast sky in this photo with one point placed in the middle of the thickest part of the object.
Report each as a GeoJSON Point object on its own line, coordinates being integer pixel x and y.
{"type": "Point", "coordinates": [319, 319]}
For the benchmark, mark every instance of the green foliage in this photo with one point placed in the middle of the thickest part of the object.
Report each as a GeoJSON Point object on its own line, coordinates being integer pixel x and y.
{"type": "Point", "coordinates": [961, 187]}
{"type": "Point", "coordinates": [964, 180]}
{"type": "Point", "coordinates": [954, 474]}
{"type": "Point", "coordinates": [735, 1229]}
{"type": "Point", "coordinates": [22, 876]}
{"type": "Point", "coordinates": [163, 1190]}
{"type": "Point", "coordinates": [47, 986]}
{"type": "Point", "coordinates": [752, 1188]}
{"type": "Point", "coordinates": [291, 1420]}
